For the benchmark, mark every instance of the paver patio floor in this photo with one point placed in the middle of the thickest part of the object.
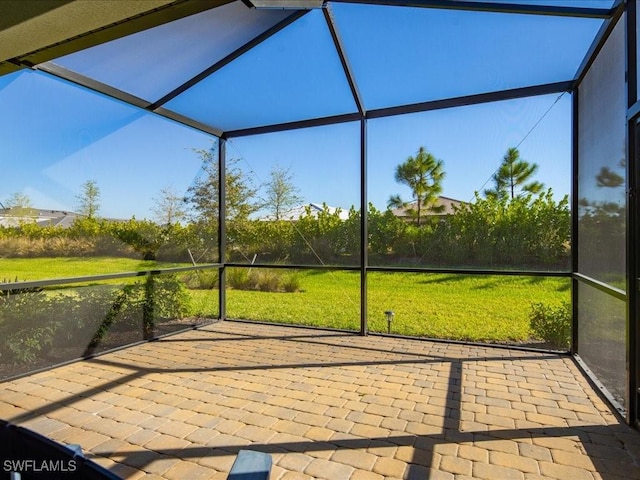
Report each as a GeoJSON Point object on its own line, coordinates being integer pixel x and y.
{"type": "Point", "coordinates": [328, 405]}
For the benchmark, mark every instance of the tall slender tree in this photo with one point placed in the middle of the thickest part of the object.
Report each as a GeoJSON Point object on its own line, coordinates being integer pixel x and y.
{"type": "Point", "coordinates": [423, 174]}
{"type": "Point", "coordinates": [281, 193]}
{"type": "Point", "coordinates": [169, 207]}
{"type": "Point", "coordinates": [18, 200]}
{"type": "Point", "coordinates": [89, 199]}
{"type": "Point", "coordinates": [202, 195]}
{"type": "Point", "coordinates": [513, 177]}
{"type": "Point", "coordinates": [19, 203]}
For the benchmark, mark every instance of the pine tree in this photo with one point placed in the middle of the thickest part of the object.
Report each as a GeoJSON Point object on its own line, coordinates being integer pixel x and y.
{"type": "Point", "coordinates": [513, 177]}
{"type": "Point", "coordinates": [423, 174]}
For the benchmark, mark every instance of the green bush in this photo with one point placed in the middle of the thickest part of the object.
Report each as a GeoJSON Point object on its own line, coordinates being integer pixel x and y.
{"type": "Point", "coordinates": [263, 280]}
{"type": "Point", "coordinates": [552, 324]}
{"type": "Point", "coordinates": [27, 326]}
{"type": "Point", "coordinates": [239, 278]}
{"type": "Point", "coordinates": [201, 280]}
{"type": "Point", "coordinates": [170, 297]}
{"type": "Point", "coordinates": [267, 280]}
{"type": "Point", "coordinates": [33, 324]}
{"type": "Point", "coordinates": [26, 345]}
{"type": "Point", "coordinates": [291, 283]}
{"type": "Point", "coordinates": [521, 232]}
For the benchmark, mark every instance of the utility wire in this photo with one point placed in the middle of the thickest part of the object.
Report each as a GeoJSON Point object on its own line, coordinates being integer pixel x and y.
{"type": "Point", "coordinates": [295, 226]}
{"type": "Point", "coordinates": [317, 256]}
{"type": "Point", "coordinates": [252, 171]}
{"type": "Point", "coordinates": [535, 125]}
{"type": "Point", "coordinates": [524, 138]}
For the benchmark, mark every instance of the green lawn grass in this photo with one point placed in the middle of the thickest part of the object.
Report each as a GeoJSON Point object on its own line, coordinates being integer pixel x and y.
{"type": "Point", "coordinates": [29, 269]}
{"type": "Point", "coordinates": [460, 307]}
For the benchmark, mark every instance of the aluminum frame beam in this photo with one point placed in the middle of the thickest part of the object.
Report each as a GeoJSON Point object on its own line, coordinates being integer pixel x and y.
{"type": "Point", "coordinates": [123, 96]}
{"type": "Point", "coordinates": [228, 59]}
{"type": "Point", "coordinates": [409, 108]}
{"type": "Point", "coordinates": [346, 66]}
{"type": "Point", "coordinates": [498, 7]}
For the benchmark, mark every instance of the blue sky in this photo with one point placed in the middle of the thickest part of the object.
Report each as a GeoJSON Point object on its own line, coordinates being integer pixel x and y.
{"type": "Point", "coordinates": [59, 136]}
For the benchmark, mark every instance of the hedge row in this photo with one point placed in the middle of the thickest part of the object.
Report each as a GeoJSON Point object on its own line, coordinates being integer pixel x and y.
{"type": "Point", "coordinates": [520, 233]}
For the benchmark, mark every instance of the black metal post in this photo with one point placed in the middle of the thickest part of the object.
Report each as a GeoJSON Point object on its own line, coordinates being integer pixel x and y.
{"type": "Point", "coordinates": [364, 235]}
{"type": "Point", "coordinates": [633, 235]}
{"type": "Point", "coordinates": [575, 98]}
{"type": "Point", "coordinates": [222, 233]}
{"type": "Point", "coordinates": [632, 275]}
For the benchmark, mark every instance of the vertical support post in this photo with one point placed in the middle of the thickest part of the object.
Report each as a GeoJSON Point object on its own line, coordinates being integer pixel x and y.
{"type": "Point", "coordinates": [633, 235]}
{"type": "Point", "coordinates": [364, 235]}
{"type": "Point", "coordinates": [575, 307]}
{"type": "Point", "coordinates": [222, 233]}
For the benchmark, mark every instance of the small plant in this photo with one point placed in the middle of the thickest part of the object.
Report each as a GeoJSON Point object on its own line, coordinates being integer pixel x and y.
{"type": "Point", "coordinates": [267, 281]}
{"type": "Point", "coordinates": [291, 283]}
{"type": "Point", "coordinates": [27, 326]}
{"type": "Point", "coordinates": [552, 324]}
{"type": "Point", "coordinates": [171, 299]}
{"type": "Point", "coordinates": [263, 280]}
{"type": "Point", "coordinates": [26, 346]}
{"type": "Point", "coordinates": [202, 280]}
{"type": "Point", "coordinates": [239, 278]}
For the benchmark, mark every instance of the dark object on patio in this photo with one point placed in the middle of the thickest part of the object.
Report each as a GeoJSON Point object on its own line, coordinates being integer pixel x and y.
{"type": "Point", "coordinates": [26, 454]}
{"type": "Point", "coordinates": [251, 465]}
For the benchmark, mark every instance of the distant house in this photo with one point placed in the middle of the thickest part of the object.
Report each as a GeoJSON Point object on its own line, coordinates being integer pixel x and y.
{"type": "Point", "coordinates": [449, 205]}
{"type": "Point", "coordinates": [301, 210]}
{"type": "Point", "coordinates": [16, 216]}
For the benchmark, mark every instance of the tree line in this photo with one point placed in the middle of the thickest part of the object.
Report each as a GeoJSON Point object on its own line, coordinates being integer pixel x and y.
{"type": "Point", "coordinates": [514, 224]}
{"type": "Point", "coordinates": [88, 201]}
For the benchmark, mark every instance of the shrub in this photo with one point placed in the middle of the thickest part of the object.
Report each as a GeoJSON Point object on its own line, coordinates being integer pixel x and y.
{"type": "Point", "coordinates": [201, 280]}
{"type": "Point", "coordinates": [26, 345]}
{"type": "Point", "coordinates": [267, 280]}
{"type": "Point", "coordinates": [27, 326]}
{"type": "Point", "coordinates": [239, 278]}
{"type": "Point", "coordinates": [552, 324]}
{"type": "Point", "coordinates": [170, 297]}
{"type": "Point", "coordinates": [523, 231]}
{"type": "Point", "coordinates": [34, 323]}
{"type": "Point", "coordinates": [291, 282]}
{"type": "Point", "coordinates": [263, 280]}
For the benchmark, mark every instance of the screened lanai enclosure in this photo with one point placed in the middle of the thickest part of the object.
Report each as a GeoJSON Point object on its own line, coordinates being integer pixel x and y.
{"type": "Point", "coordinates": [455, 170]}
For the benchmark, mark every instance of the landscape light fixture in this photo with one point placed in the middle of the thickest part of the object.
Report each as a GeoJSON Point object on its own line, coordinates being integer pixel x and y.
{"type": "Point", "coordinates": [285, 4]}
{"type": "Point", "coordinates": [389, 316]}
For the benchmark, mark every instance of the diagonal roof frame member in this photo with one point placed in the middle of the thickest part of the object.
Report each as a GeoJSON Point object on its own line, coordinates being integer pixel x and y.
{"type": "Point", "coordinates": [117, 94]}
{"type": "Point", "coordinates": [491, 96]}
{"type": "Point", "coordinates": [90, 83]}
{"type": "Point", "coordinates": [113, 92]}
{"type": "Point", "coordinates": [445, 4]}
{"type": "Point", "coordinates": [337, 42]}
{"type": "Point", "coordinates": [156, 107]}
{"type": "Point", "coordinates": [498, 7]}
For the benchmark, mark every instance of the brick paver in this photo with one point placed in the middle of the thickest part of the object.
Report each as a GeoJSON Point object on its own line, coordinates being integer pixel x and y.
{"type": "Point", "coordinates": [328, 405]}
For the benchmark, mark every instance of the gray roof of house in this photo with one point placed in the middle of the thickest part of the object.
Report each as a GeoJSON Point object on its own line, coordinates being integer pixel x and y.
{"type": "Point", "coordinates": [449, 207]}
